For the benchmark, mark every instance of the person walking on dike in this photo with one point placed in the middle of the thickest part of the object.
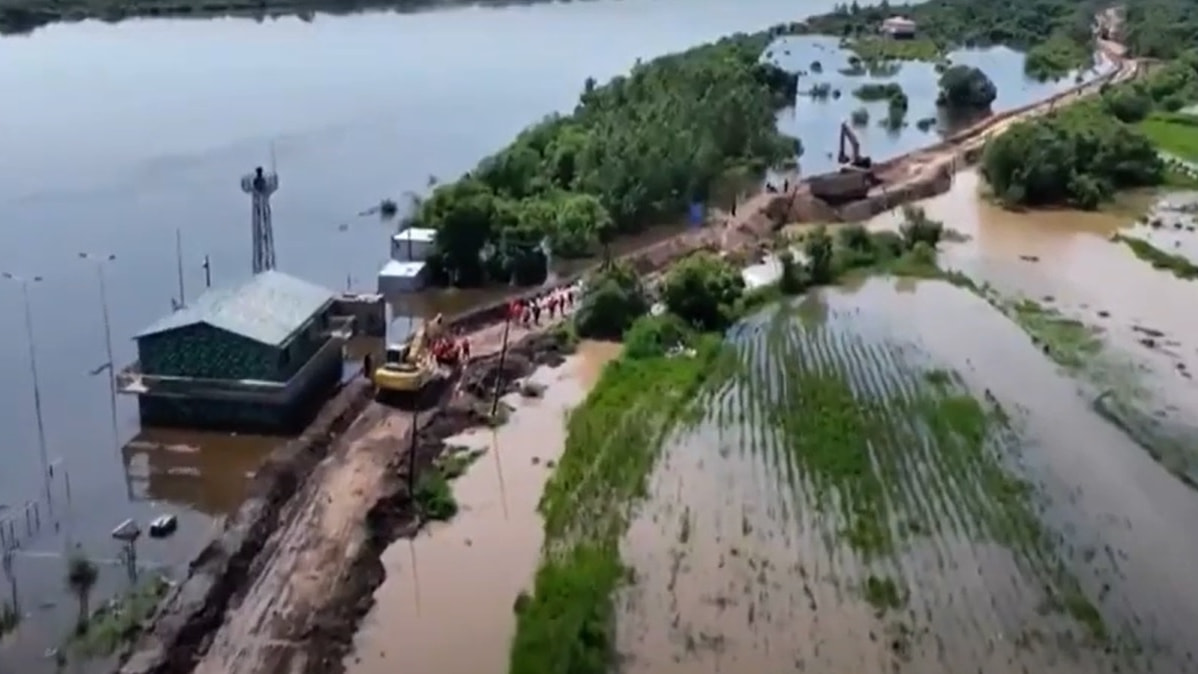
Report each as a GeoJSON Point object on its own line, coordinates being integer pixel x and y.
{"type": "Point", "coordinates": [536, 311]}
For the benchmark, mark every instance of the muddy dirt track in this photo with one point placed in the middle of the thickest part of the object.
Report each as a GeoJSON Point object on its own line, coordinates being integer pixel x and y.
{"type": "Point", "coordinates": [290, 602]}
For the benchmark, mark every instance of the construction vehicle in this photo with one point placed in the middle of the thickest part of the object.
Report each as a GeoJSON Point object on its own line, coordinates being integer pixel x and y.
{"type": "Point", "coordinates": [855, 177]}
{"type": "Point", "coordinates": [408, 368]}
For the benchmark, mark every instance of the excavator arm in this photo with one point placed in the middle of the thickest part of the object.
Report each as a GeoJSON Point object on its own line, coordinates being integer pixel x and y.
{"type": "Point", "coordinates": [849, 142]}
{"type": "Point", "coordinates": [419, 345]}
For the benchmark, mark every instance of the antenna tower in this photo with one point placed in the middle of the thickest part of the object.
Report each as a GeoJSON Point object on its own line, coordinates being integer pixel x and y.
{"type": "Point", "coordinates": [260, 185]}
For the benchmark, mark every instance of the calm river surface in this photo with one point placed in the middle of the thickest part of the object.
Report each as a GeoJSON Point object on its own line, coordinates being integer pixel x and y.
{"type": "Point", "coordinates": [115, 137]}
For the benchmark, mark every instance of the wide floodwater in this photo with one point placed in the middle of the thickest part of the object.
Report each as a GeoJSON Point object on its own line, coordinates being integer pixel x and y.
{"type": "Point", "coordinates": [119, 137]}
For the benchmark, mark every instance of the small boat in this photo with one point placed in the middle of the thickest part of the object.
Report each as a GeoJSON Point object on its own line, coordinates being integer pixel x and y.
{"type": "Point", "coordinates": [163, 526]}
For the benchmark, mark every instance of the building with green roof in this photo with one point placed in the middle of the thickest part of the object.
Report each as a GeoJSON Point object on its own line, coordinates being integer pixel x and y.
{"type": "Point", "coordinates": [260, 356]}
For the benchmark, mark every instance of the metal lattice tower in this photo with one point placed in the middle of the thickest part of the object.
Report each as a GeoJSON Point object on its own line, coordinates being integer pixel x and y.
{"type": "Point", "coordinates": [260, 186]}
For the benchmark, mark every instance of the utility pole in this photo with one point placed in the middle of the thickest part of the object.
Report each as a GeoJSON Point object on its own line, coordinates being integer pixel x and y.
{"type": "Point", "coordinates": [37, 387]}
{"type": "Point", "coordinates": [100, 261]}
{"type": "Point", "coordinates": [6, 558]}
{"type": "Point", "coordinates": [179, 264]}
{"type": "Point", "coordinates": [507, 328]}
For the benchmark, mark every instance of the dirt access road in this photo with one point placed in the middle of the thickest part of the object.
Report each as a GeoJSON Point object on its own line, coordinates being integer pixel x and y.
{"type": "Point", "coordinates": [324, 528]}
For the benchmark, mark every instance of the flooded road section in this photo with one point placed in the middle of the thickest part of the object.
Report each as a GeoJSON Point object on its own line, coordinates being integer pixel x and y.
{"type": "Point", "coordinates": [447, 602]}
{"type": "Point", "coordinates": [883, 490]}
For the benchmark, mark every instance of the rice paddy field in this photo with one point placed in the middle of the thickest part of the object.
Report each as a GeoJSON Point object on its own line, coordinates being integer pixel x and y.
{"type": "Point", "coordinates": [895, 477]}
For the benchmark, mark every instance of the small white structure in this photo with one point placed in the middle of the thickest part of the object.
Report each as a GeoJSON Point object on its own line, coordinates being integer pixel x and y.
{"type": "Point", "coordinates": [401, 276]}
{"type": "Point", "coordinates": [899, 27]}
{"type": "Point", "coordinates": [413, 244]}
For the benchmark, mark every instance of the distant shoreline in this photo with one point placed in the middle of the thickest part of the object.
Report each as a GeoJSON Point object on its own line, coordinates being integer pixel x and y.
{"type": "Point", "coordinates": [21, 17]}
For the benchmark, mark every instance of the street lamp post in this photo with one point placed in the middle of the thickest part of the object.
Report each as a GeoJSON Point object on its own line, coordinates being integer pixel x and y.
{"type": "Point", "coordinates": [100, 261]}
{"type": "Point", "coordinates": [37, 387]}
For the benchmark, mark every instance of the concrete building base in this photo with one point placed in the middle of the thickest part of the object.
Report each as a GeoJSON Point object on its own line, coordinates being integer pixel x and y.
{"type": "Point", "coordinates": [222, 413]}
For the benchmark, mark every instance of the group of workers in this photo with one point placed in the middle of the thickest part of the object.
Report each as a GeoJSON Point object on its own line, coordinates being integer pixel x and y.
{"type": "Point", "coordinates": [528, 312]}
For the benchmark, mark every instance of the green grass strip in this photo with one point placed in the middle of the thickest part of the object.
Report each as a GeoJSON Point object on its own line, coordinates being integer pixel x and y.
{"type": "Point", "coordinates": [567, 625]}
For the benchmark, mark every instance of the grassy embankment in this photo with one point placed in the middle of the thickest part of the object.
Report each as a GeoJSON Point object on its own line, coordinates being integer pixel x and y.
{"type": "Point", "coordinates": [1179, 265]}
{"type": "Point", "coordinates": [118, 621]}
{"type": "Point", "coordinates": [614, 437]}
{"type": "Point", "coordinates": [1175, 133]}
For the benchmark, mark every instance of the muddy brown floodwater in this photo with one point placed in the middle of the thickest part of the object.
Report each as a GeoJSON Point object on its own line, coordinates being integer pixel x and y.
{"type": "Point", "coordinates": [1064, 259]}
{"type": "Point", "coordinates": [739, 568]}
{"type": "Point", "coordinates": [447, 602]}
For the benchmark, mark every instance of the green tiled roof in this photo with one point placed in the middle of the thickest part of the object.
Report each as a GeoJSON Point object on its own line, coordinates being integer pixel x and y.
{"type": "Point", "coordinates": [267, 308]}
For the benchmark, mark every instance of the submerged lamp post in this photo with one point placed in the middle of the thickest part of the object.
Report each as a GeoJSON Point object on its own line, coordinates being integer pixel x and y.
{"type": "Point", "coordinates": [37, 387]}
{"type": "Point", "coordinates": [100, 261]}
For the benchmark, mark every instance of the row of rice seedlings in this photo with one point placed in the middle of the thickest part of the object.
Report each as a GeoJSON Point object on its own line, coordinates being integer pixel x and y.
{"type": "Point", "coordinates": [890, 456]}
{"type": "Point", "coordinates": [613, 439]}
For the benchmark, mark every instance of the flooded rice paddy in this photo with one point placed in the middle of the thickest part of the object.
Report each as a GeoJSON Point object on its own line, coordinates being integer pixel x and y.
{"type": "Point", "coordinates": [1127, 334]}
{"type": "Point", "coordinates": [885, 489]}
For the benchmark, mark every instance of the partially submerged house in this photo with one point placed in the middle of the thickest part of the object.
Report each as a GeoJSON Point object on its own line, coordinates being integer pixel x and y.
{"type": "Point", "coordinates": [899, 28]}
{"type": "Point", "coordinates": [260, 356]}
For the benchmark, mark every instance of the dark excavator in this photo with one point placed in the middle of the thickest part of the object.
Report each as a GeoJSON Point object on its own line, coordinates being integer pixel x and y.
{"type": "Point", "coordinates": [855, 177]}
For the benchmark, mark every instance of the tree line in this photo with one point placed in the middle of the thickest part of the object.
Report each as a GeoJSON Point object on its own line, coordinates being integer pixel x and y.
{"type": "Point", "coordinates": [1083, 154]}
{"type": "Point", "coordinates": [634, 152]}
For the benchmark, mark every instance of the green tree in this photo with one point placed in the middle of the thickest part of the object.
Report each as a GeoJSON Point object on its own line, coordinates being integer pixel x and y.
{"type": "Point", "coordinates": [1077, 156]}
{"type": "Point", "coordinates": [635, 152]}
{"type": "Point", "coordinates": [819, 250]}
{"type": "Point", "coordinates": [966, 88]}
{"type": "Point", "coordinates": [651, 336]}
{"type": "Point", "coordinates": [614, 297]}
{"type": "Point", "coordinates": [576, 229]}
{"type": "Point", "coordinates": [81, 579]}
{"type": "Point", "coordinates": [702, 290]}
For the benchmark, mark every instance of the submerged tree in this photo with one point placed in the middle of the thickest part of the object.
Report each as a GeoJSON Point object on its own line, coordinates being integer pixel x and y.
{"type": "Point", "coordinates": [818, 247]}
{"type": "Point", "coordinates": [81, 578]}
{"type": "Point", "coordinates": [918, 228]}
{"type": "Point", "coordinates": [966, 88]}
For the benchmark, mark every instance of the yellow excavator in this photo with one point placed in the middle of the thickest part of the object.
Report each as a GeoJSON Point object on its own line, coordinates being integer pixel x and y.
{"type": "Point", "coordinates": [409, 368]}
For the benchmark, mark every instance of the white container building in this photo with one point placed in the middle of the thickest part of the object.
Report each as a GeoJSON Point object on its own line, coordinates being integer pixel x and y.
{"type": "Point", "coordinates": [413, 244]}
